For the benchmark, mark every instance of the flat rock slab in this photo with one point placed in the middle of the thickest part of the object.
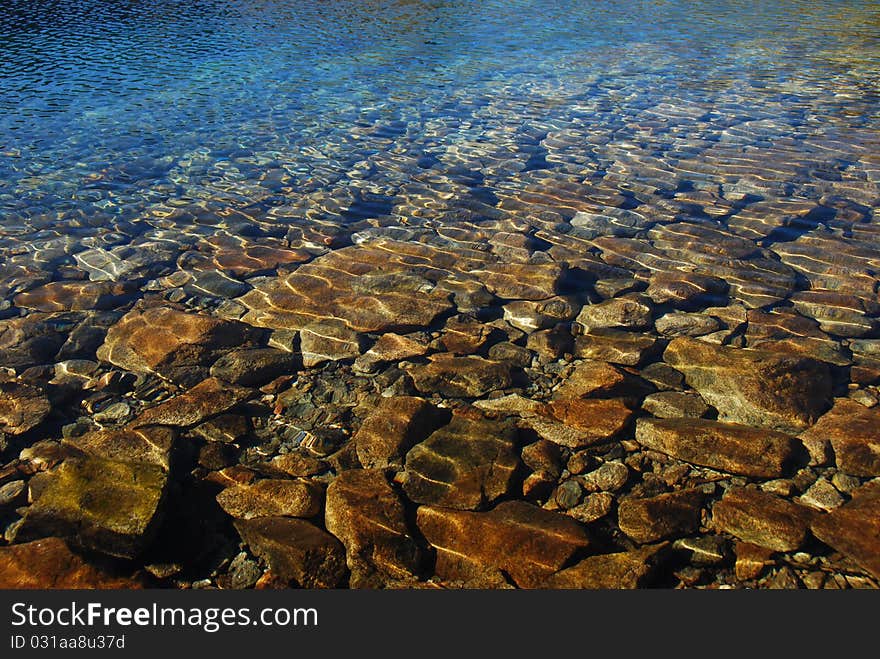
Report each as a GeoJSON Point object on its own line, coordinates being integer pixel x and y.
{"type": "Point", "coordinates": [394, 427]}
{"type": "Point", "coordinates": [390, 347]}
{"type": "Point", "coordinates": [177, 345]}
{"type": "Point", "coordinates": [365, 513]}
{"type": "Point", "coordinates": [375, 287]}
{"type": "Point", "coordinates": [754, 387]}
{"type": "Point", "coordinates": [295, 550]}
{"type": "Point", "coordinates": [669, 515]}
{"type": "Point", "coordinates": [49, 564]}
{"type": "Point", "coordinates": [526, 542]}
{"type": "Point", "coordinates": [615, 346]}
{"type": "Point", "coordinates": [328, 340]}
{"type": "Point", "coordinates": [578, 422]}
{"type": "Point", "coordinates": [461, 377]}
{"type": "Point", "coordinates": [762, 519]}
{"type": "Point", "coordinates": [148, 445]}
{"type": "Point", "coordinates": [273, 497]}
{"type": "Point", "coordinates": [75, 296]}
{"type": "Point", "coordinates": [521, 281]}
{"type": "Point", "coordinates": [207, 399]}
{"type": "Point", "coordinates": [466, 465]}
{"type": "Point", "coordinates": [675, 405]}
{"type": "Point", "coordinates": [854, 528]}
{"type": "Point", "coordinates": [623, 570]}
{"type": "Point", "coordinates": [727, 447]}
{"type": "Point", "coordinates": [853, 431]}
{"type": "Point", "coordinates": [103, 505]}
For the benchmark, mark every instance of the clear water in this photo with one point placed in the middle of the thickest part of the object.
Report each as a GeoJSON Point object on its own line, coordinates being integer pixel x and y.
{"type": "Point", "coordinates": [123, 118]}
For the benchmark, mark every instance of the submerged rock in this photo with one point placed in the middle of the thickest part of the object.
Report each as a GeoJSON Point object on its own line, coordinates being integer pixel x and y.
{"type": "Point", "coordinates": [176, 345]}
{"type": "Point", "coordinates": [853, 431]}
{"type": "Point", "coordinates": [623, 570]}
{"type": "Point", "coordinates": [297, 552]}
{"type": "Point", "coordinates": [49, 564]}
{"type": "Point", "coordinates": [273, 497]}
{"type": "Point", "coordinates": [461, 377]}
{"type": "Point", "coordinates": [762, 519]}
{"type": "Point", "coordinates": [22, 407]}
{"type": "Point", "coordinates": [854, 528]}
{"type": "Point", "coordinates": [670, 515]}
{"type": "Point", "coordinates": [209, 398]}
{"type": "Point", "coordinates": [728, 447]}
{"type": "Point", "coordinates": [368, 517]}
{"type": "Point", "coordinates": [328, 340]}
{"type": "Point", "coordinates": [466, 464]}
{"type": "Point", "coordinates": [394, 427]}
{"type": "Point", "coordinates": [524, 541]}
{"type": "Point", "coordinates": [754, 387]}
{"type": "Point", "coordinates": [102, 505]}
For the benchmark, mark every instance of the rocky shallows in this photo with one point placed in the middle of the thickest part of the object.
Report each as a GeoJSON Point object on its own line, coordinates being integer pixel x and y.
{"type": "Point", "coordinates": [509, 406]}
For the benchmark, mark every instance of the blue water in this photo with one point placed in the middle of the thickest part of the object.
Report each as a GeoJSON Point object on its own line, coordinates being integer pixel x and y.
{"type": "Point", "coordinates": [116, 115]}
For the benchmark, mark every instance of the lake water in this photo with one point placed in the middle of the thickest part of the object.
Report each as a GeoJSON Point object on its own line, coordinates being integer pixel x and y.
{"type": "Point", "coordinates": [113, 114]}
{"type": "Point", "coordinates": [539, 237]}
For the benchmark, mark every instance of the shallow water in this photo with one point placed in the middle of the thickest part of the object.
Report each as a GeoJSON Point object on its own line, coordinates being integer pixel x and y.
{"type": "Point", "coordinates": [116, 112]}
{"type": "Point", "coordinates": [234, 235]}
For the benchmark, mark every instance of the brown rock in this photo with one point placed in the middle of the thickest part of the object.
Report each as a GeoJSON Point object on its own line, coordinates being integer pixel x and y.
{"type": "Point", "coordinates": [466, 465]}
{"type": "Point", "coordinates": [297, 465]}
{"type": "Point", "coordinates": [853, 431]}
{"type": "Point", "coordinates": [594, 507]}
{"type": "Point", "coordinates": [632, 311]}
{"type": "Point", "coordinates": [615, 346]}
{"type": "Point", "coordinates": [365, 513]}
{"type": "Point", "coordinates": [551, 343]}
{"type": "Point", "coordinates": [751, 560]}
{"type": "Point", "coordinates": [390, 347]}
{"type": "Point", "coordinates": [519, 281]}
{"type": "Point", "coordinates": [49, 564]}
{"type": "Point", "coordinates": [727, 447]}
{"type": "Point", "coordinates": [254, 367]}
{"type": "Point", "coordinates": [675, 405]}
{"type": "Point", "coordinates": [394, 427]}
{"type": "Point", "coordinates": [762, 519]}
{"type": "Point", "coordinates": [854, 528]}
{"type": "Point", "coordinates": [75, 296]}
{"type": "Point", "coordinates": [686, 289]}
{"type": "Point", "coordinates": [838, 313]}
{"type": "Point", "coordinates": [463, 335]}
{"type": "Point", "coordinates": [148, 445]}
{"type": "Point", "coordinates": [528, 315]}
{"type": "Point", "coordinates": [328, 340]}
{"type": "Point", "coordinates": [207, 399]}
{"type": "Point", "coordinates": [670, 515]}
{"type": "Point", "coordinates": [103, 505]}
{"type": "Point", "coordinates": [624, 570]}
{"type": "Point", "coordinates": [372, 287]}
{"type": "Point", "coordinates": [588, 378]}
{"type": "Point", "coordinates": [225, 428]}
{"type": "Point", "coordinates": [754, 387]}
{"type": "Point", "coordinates": [22, 407]}
{"type": "Point", "coordinates": [461, 377]}
{"type": "Point", "coordinates": [576, 422]}
{"type": "Point", "coordinates": [296, 551]}
{"type": "Point", "coordinates": [273, 497]}
{"type": "Point", "coordinates": [178, 346]}
{"type": "Point", "coordinates": [526, 542]}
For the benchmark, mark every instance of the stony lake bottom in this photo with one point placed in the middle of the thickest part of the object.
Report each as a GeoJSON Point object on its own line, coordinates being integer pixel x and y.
{"type": "Point", "coordinates": [439, 294]}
